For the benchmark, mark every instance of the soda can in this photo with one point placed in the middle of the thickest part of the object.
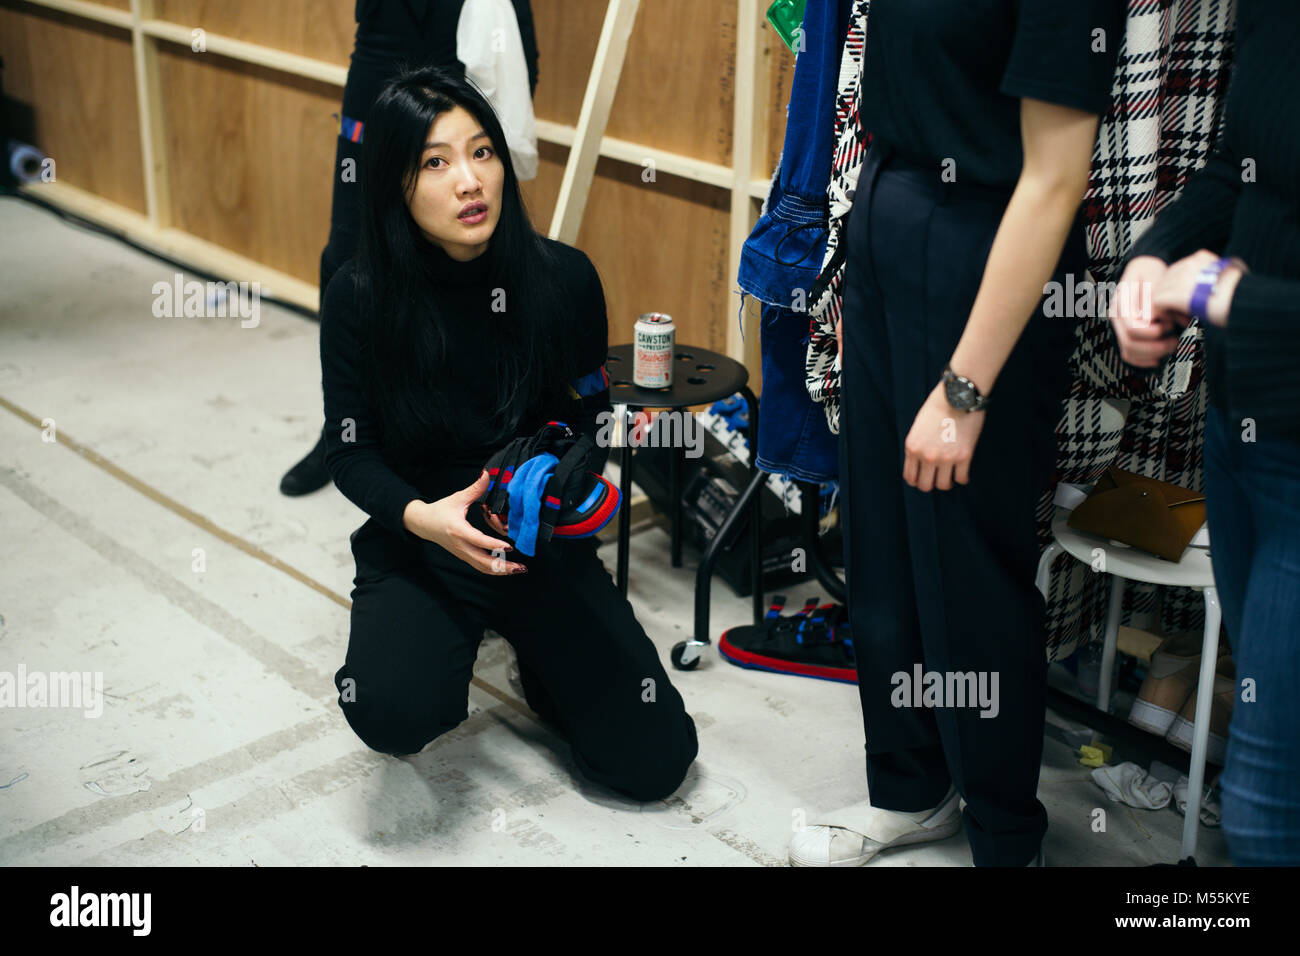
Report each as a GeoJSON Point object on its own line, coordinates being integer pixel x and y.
{"type": "Point", "coordinates": [652, 351]}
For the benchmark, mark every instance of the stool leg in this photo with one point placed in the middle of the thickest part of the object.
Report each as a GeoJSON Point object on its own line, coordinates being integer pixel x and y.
{"type": "Point", "coordinates": [1045, 566]}
{"type": "Point", "coordinates": [625, 507]}
{"type": "Point", "coordinates": [1201, 728]}
{"type": "Point", "coordinates": [1112, 636]}
{"type": "Point", "coordinates": [756, 511]}
{"type": "Point", "coordinates": [675, 502]}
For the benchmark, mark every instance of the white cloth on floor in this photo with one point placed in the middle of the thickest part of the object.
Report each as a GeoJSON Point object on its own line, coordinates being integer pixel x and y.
{"type": "Point", "coordinates": [1130, 784]}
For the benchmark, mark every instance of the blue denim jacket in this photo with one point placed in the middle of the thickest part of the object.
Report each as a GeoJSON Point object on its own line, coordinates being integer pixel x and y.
{"type": "Point", "coordinates": [783, 254]}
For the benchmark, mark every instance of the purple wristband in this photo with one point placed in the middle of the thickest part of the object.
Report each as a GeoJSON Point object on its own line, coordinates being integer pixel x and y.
{"type": "Point", "coordinates": [1206, 280]}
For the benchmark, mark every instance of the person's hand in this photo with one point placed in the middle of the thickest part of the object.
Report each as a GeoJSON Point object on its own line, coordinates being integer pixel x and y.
{"type": "Point", "coordinates": [494, 522]}
{"type": "Point", "coordinates": [1146, 334]}
{"type": "Point", "coordinates": [1173, 293]}
{"type": "Point", "coordinates": [941, 444]}
{"type": "Point", "coordinates": [443, 522]}
{"type": "Point", "coordinates": [839, 339]}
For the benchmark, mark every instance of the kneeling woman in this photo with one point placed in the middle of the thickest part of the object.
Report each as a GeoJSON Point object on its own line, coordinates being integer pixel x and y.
{"type": "Point", "coordinates": [455, 329]}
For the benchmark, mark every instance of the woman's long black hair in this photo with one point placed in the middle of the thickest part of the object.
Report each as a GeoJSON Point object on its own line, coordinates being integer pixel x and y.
{"type": "Point", "coordinates": [408, 355]}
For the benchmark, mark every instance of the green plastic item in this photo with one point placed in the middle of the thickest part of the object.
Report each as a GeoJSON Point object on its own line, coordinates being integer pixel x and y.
{"type": "Point", "coordinates": [786, 17]}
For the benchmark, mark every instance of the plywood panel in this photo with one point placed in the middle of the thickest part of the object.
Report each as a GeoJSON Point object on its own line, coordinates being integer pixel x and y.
{"type": "Point", "coordinates": [566, 32]}
{"type": "Point", "coordinates": [77, 80]}
{"type": "Point", "coordinates": [677, 85]}
{"type": "Point", "coordinates": [779, 72]}
{"type": "Point", "coordinates": [322, 29]}
{"type": "Point", "coordinates": [251, 157]}
{"type": "Point", "coordinates": [660, 247]}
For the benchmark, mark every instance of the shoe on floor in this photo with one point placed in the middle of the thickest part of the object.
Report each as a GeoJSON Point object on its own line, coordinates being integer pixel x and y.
{"type": "Point", "coordinates": [309, 474]}
{"type": "Point", "coordinates": [860, 832]}
{"type": "Point", "coordinates": [1170, 680]}
{"type": "Point", "coordinates": [815, 642]}
{"type": "Point", "coordinates": [1183, 726]}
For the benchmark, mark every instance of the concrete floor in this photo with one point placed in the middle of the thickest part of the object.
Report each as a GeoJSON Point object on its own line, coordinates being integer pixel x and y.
{"type": "Point", "coordinates": [220, 740]}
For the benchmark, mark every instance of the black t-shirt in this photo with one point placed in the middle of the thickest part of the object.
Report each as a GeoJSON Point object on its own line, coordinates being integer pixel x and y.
{"type": "Point", "coordinates": [942, 79]}
{"type": "Point", "coordinates": [381, 478]}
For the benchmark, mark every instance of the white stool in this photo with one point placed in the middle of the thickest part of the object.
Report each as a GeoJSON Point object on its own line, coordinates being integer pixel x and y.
{"type": "Point", "coordinates": [1123, 563]}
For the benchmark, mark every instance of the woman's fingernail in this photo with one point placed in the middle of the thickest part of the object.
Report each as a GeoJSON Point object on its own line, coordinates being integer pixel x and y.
{"type": "Point", "coordinates": [520, 570]}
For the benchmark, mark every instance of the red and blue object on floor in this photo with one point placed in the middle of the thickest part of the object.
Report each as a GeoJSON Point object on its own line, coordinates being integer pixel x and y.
{"type": "Point", "coordinates": [815, 642]}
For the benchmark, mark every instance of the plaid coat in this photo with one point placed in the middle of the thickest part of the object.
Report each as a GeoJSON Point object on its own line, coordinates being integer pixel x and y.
{"type": "Point", "coordinates": [1164, 119]}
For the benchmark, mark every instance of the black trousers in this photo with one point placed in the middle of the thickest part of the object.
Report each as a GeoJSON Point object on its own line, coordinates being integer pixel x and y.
{"type": "Point", "coordinates": [945, 579]}
{"type": "Point", "coordinates": [373, 64]}
{"type": "Point", "coordinates": [586, 664]}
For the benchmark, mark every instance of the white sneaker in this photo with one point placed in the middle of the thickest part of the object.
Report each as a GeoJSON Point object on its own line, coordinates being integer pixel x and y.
{"type": "Point", "coordinates": [863, 831]}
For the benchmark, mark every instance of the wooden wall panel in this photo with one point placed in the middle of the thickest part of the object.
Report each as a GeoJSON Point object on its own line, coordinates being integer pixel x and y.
{"type": "Point", "coordinates": [321, 29]}
{"type": "Point", "coordinates": [662, 247]}
{"type": "Point", "coordinates": [251, 157]}
{"type": "Point", "coordinates": [659, 247]}
{"type": "Point", "coordinates": [78, 79]}
{"type": "Point", "coordinates": [780, 75]}
{"type": "Point", "coordinates": [567, 32]}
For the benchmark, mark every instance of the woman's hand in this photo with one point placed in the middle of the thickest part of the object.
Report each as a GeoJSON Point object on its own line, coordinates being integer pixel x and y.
{"type": "Point", "coordinates": [443, 522]}
{"type": "Point", "coordinates": [1173, 293]}
{"type": "Point", "coordinates": [494, 521]}
{"type": "Point", "coordinates": [1146, 333]}
{"type": "Point", "coordinates": [941, 444]}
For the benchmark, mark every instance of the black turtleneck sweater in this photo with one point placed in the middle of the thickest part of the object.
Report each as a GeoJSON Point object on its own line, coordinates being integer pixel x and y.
{"type": "Point", "coordinates": [1246, 202]}
{"type": "Point", "coordinates": [367, 470]}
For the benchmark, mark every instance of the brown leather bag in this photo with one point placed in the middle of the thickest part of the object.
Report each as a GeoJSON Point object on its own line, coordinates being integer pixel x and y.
{"type": "Point", "coordinates": [1149, 514]}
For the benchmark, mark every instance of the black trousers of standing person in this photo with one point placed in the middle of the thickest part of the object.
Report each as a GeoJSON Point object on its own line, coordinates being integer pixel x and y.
{"type": "Point", "coordinates": [374, 62]}
{"type": "Point", "coordinates": [586, 665]}
{"type": "Point", "coordinates": [945, 579]}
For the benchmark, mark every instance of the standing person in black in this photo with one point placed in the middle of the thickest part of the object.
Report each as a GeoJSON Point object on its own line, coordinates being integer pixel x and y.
{"type": "Point", "coordinates": [983, 116]}
{"type": "Point", "coordinates": [455, 329]}
{"type": "Point", "coordinates": [1227, 252]}
{"type": "Point", "coordinates": [391, 34]}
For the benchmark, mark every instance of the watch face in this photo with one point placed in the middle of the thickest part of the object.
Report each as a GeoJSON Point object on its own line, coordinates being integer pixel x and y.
{"type": "Point", "coordinates": [960, 395]}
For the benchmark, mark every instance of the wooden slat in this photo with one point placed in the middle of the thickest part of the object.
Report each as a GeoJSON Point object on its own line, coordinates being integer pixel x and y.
{"type": "Point", "coordinates": [596, 102]}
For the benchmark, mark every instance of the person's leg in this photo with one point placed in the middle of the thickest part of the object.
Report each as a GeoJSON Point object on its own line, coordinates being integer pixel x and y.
{"type": "Point", "coordinates": [905, 764]}
{"type": "Point", "coordinates": [411, 651]}
{"type": "Point", "coordinates": [1261, 781]}
{"type": "Point", "coordinates": [368, 71]}
{"type": "Point", "coordinates": [973, 547]}
{"type": "Point", "coordinates": [592, 671]}
{"type": "Point", "coordinates": [1228, 510]}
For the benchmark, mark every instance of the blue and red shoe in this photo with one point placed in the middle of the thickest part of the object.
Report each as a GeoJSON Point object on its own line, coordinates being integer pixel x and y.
{"type": "Point", "coordinates": [814, 642]}
{"type": "Point", "coordinates": [544, 486]}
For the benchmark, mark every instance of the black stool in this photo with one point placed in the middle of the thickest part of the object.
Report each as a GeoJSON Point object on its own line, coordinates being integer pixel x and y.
{"type": "Point", "coordinates": [700, 377]}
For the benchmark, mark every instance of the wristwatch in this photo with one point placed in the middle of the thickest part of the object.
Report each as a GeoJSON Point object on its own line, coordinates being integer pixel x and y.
{"type": "Point", "coordinates": [962, 392]}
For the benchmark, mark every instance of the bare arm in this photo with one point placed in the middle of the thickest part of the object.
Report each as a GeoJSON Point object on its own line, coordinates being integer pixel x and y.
{"type": "Point", "coordinates": [1058, 143]}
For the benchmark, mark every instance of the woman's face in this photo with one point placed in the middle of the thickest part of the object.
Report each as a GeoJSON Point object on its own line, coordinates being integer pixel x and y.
{"type": "Point", "coordinates": [459, 169]}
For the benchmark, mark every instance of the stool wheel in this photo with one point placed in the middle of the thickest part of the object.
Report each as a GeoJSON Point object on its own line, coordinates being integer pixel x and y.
{"type": "Point", "coordinates": [677, 653]}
